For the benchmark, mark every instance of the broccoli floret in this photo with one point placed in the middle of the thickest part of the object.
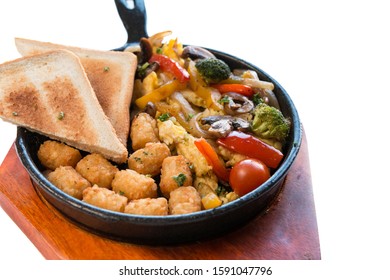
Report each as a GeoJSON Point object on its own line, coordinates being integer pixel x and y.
{"type": "Point", "coordinates": [213, 70]}
{"type": "Point", "coordinates": [269, 123]}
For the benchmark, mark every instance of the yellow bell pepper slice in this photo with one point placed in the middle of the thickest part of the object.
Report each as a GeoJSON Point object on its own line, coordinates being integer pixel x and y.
{"type": "Point", "coordinates": [173, 50]}
{"type": "Point", "coordinates": [200, 88]}
{"type": "Point", "coordinates": [160, 93]}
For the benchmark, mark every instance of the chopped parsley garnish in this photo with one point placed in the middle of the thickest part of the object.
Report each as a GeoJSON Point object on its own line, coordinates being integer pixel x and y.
{"type": "Point", "coordinates": [189, 117]}
{"type": "Point", "coordinates": [164, 117]}
{"type": "Point", "coordinates": [141, 69]}
{"type": "Point", "coordinates": [257, 99]}
{"type": "Point", "coordinates": [220, 190]}
{"type": "Point", "coordinates": [224, 100]}
{"type": "Point", "coordinates": [180, 179]}
{"type": "Point", "coordinates": [138, 159]}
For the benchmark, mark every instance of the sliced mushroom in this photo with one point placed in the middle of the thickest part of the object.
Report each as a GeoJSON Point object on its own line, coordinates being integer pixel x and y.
{"type": "Point", "coordinates": [146, 50]}
{"type": "Point", "coordinates": [150, 109]}
{"type": "Point", "coordinates": [143, 56]}
{"type": "Point", "coordinates": [195, 52]}
{"type": "Point", "coordinates": [237, 104]}
{"type": "Point", "coordinates": [241, 124]}
{"type": "Point", "coordinates": [221, 126]}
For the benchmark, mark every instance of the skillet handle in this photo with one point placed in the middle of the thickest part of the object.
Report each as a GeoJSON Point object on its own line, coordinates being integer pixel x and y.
{"type": "Point", "coordinates": [133, 16]}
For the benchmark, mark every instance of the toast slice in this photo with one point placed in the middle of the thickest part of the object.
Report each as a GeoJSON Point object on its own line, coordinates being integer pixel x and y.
{"type": "Point", "coordinates": [110, 73]}
{"type": "Point", "coordinates": [50, 94]}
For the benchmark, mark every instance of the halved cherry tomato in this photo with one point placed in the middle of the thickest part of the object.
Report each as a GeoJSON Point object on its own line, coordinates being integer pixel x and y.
{"type": "Point", "coordinates": [253, 147]}
{"type": "Point", "coordinates": [212, 158]}
{"type": "Point", "coordinates": [238, 88]}
{"type": "Point", "coordinates": [169, 65]}
{"type": "Point", "coordinates": [247, 175]}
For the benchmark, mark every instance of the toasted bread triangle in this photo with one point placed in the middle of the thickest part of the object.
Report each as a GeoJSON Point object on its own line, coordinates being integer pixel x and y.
{"type": "Point", "coordinates": [50, 94]}
{"type": "Point", "coordinates": [110, 73]}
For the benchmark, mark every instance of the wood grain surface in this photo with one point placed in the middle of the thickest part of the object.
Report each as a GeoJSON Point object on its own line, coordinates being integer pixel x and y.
{"type": "Point", "coordinates": [287, 231]}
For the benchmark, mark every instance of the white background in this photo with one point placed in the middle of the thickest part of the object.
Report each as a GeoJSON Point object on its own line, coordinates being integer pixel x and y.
{"type": "Point", "coordinates": [333, 59]}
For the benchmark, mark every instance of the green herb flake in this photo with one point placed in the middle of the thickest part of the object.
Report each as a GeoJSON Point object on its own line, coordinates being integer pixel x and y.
{"type": "Point", "coordinates": [189, 117]}
{"type": "Point", "coordinates": [138, 159]}
{"type": "Point", "coordinates": [141, 69]}
{"type": "Point", "coordinates": [106, 68]}
{"type": "Point", "coordinates": [224, 100]}
{"type": "Point", "coordinates": [257, 99]}
{"type": "Point", "coordinates": [61, 116]}
{"type": "Point", "coordinates": [164, 117]}
{"type": "Point", "coordinates": [220, 190]}
{"type": "Point", "coordinates": [121, 193]}
{"type": "Point", "coordinates": [14, 114]}
{"type": "Point", "coordinates": [180, 179]}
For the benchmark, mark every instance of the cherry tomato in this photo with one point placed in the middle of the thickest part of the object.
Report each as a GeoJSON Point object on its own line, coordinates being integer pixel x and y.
{"type": "Point", "coordinates": [247, 175]}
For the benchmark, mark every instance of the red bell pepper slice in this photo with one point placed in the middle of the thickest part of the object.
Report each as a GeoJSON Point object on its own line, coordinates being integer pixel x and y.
{"type": "Point", "coordinates": [212, 158]}
{"type": "Point", "coordinates": [169, 65]}
{"type": "Point", "coordinates": [253, 147]}
{"type": "Point", "coordinates": [238, 88]}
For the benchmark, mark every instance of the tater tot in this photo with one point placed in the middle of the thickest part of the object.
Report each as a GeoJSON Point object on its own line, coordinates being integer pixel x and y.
{"type": "Point", "coordinates": [97, 170]}
{"type": "Point", "coordinates": [143, 130]}
{"type": "Point", "coordinates": [134, 185]}
{"type": "Point", "coordinates": [69, 180]}
{"type": "Point", "coordinates": [175, 173]}
{"type": "Point", "coordinates": [184, 200]}
{"type": "Point", "coordinates": [148, 206]}
{"type": "Point", "coordinates": [148, 160]}
{"type": "Point", "coordinates": [104, 198]}
{"type": "Point", "coordinates": [53, 154]}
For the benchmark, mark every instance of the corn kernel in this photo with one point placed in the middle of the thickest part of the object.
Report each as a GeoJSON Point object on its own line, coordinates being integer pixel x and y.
{"type": "Point", "coordinates": [210, 201]}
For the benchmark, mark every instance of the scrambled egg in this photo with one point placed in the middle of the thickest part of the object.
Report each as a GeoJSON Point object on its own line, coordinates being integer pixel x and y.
{"type": "Point", "coordinates": [193, 98]}
{"type": "Point", "coordinates": [175, 135]}
{"type": "Point", "coordinates": [230, 157]}
{"type": "Point", "coordinates": [171, 133]}
{"type": "Point", "coordinates": [148, 84]}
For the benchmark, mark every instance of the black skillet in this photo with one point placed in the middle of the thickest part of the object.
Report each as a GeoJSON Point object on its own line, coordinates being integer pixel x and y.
{"type": "Point", "coordinates": [156, 230]}
{"type": "Point", "coordinates": [133, 16]}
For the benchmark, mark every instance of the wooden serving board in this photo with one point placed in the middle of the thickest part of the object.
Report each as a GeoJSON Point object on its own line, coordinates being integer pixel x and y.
{"type": "Point", "coordinates": [287, 231]}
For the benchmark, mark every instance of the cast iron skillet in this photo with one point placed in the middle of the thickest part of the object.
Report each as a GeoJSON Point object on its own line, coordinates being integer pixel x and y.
{"type": "Point", "coordinates": [157, 230]}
